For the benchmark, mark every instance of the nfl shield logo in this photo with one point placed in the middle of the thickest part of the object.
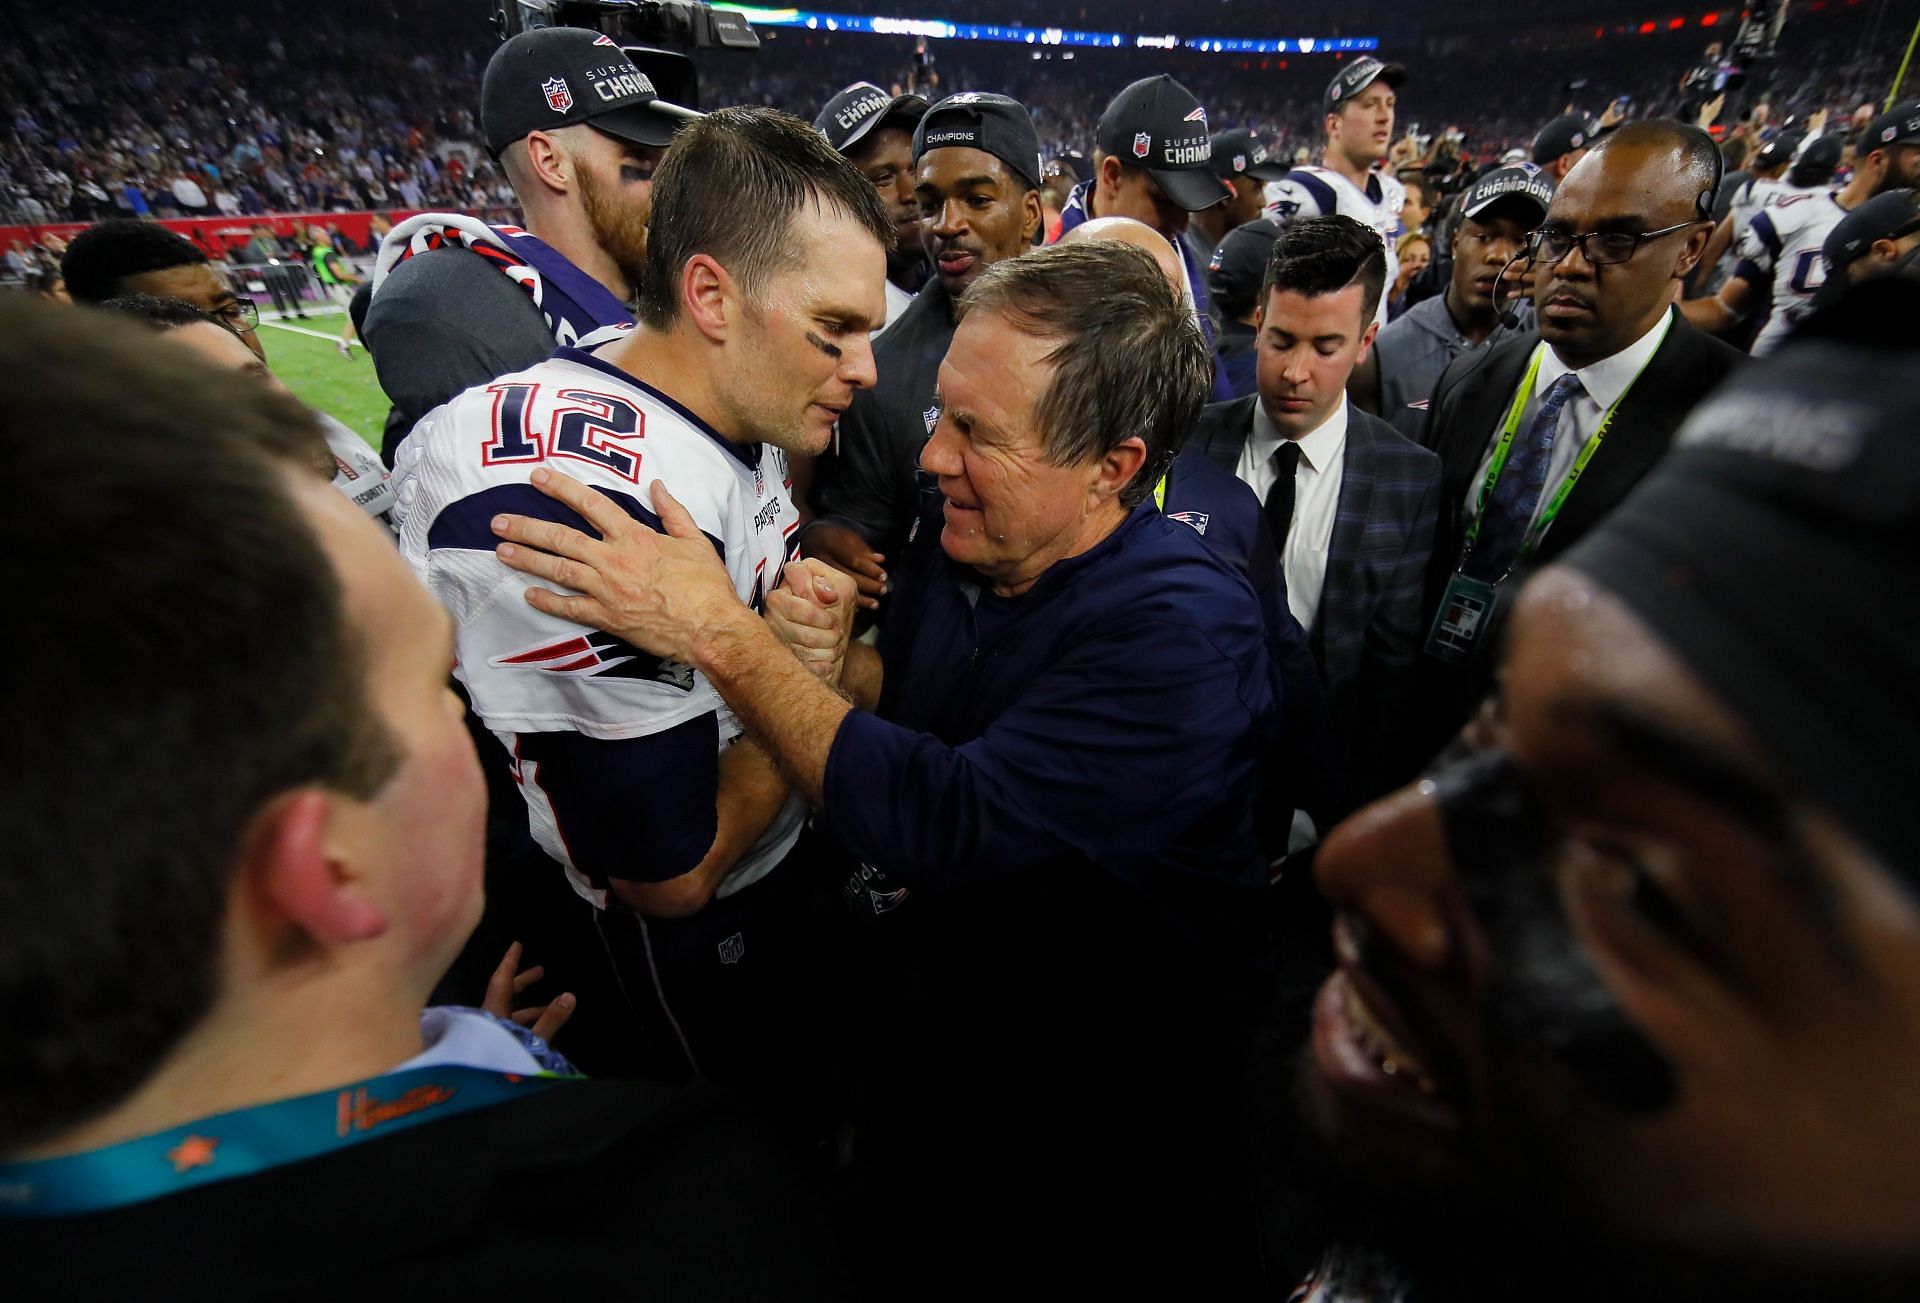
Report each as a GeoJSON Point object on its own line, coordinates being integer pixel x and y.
{"type": "Point", "coordinates": [732, 949]}
{"type": "Point", "coordinates": [1142, 145]}
{"type": "Point", "coordinates": [559, 98]}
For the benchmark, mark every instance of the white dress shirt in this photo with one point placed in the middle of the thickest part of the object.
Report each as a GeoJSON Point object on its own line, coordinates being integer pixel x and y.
{"type": "Point", "coordinates": [1602, 384]}
{"type": "Point", "coordinates": [1316, 500]}
{"type": "Point", "coordinates": [468, 1038]}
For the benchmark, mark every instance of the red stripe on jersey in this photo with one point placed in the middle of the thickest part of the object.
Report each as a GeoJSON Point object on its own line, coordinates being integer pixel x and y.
{"type": "Point", "coordinates": [571, 647]}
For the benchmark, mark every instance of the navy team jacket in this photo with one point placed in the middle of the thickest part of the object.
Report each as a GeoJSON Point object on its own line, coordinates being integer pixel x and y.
{"type": "Point", "coordinates": [1080, 760]}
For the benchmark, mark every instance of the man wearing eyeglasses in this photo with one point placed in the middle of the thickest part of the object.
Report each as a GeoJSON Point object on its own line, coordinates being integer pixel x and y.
{"type": "Point", "coordinates": [128, 256]}
{"type": "Point", "coordinates": [1542, 435]}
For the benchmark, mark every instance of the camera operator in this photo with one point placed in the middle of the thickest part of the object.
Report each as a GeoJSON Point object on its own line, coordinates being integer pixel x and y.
{"type": "Point", "coordinates": [578, 129]}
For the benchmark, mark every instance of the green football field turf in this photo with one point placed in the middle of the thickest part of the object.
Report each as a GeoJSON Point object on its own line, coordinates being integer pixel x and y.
{"type": "Point", "coordinates": [320, 377]}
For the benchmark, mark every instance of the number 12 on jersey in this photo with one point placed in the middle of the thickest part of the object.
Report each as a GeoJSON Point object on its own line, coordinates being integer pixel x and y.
{"type": "Point", "coordinates": [592, 427]}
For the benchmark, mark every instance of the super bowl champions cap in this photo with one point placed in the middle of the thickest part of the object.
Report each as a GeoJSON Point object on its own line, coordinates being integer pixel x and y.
{"type": "Point", "coordinates": [1239, 265]}
{"type": "Point", "coordinates": [1522, 186]}
{"type": "Point", "coordinates": [1560, 137]}
{"type": "Point", "coordinates": [1237, 153]}
{"type": "Point", "coordinates": [992, 124]}
{"type": "Point", "coordinates": [861, 109]}
{"type": "Point", "coordinates": [1359, 75]}
{"type": "Point", "coordinates": [1156, 123]}
{"type": "Point", "coordinates": [558, 76]}
{"type": "Point", "coordinates": [1887, 216]}
{"type": "Point", "coordinates": [1899, 125]}
{"type": "Point", "coordinates": [1780, 149]}
{"type": "Point", "coordinates": [1816, 162]}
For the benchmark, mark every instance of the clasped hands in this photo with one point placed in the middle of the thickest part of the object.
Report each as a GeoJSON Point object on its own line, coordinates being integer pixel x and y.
{"type": "Point", "coordinates": [668, 593]}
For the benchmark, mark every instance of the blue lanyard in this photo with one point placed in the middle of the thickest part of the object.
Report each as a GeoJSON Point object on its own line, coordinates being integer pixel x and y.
{"type": "Point", "coordinates": [251, 1140]}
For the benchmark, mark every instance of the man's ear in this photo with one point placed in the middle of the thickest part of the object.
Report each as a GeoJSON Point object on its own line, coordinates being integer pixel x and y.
{"type": "Point", "coordinates": [1367, 337]}
{"type": "Point", "coordinates": [548, 163]}
{"type": "Point", "coordinates": [290, 854]}
{"type": "Point", "coordinates": [1110, 170]}
{"type": "Point", "coordinates": [1034, 222]}
{"type": "Point", "coordinates": [1118, 467]}
{"type": "Point", "coordinates": [1690, 251]}
{"type": "Point", "coordinates": [709, 297]}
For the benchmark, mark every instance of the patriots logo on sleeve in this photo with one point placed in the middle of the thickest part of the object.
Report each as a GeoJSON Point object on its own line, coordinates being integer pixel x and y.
{"type": "Point", "coordinates": [598, 655]}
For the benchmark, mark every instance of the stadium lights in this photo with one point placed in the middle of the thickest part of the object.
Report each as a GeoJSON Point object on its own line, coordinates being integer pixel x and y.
{"type": "Point", "coordinates": [814, 20]}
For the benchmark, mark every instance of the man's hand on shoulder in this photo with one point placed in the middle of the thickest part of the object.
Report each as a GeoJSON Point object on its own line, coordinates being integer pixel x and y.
{"type": "Point", "coordinates": [667, 593]}
{"type": "Point", "coordinates": [845, 550]}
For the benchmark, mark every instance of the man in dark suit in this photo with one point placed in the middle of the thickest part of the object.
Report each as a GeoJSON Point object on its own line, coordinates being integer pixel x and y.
{"type": "Point", "coordinates": [1589, 399]}
{"type": "Point", "coordinates": [223, 1080]}
{"type": "Point", "coordinates": [1351, 503]}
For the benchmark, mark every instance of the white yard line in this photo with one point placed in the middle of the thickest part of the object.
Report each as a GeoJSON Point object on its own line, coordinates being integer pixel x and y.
{"type": "Point", "coordinates": [302, 330]}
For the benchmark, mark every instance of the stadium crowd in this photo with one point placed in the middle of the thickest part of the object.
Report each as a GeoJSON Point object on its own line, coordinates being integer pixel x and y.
{"type": "Point", "coordinates": [986, 677]}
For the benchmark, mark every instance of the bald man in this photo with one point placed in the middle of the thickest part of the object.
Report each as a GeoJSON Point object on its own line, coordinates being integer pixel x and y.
{"type": "Point", "coordinates": [1125, 230]}
{"type": "Point", "coordinates": [1543, 435]}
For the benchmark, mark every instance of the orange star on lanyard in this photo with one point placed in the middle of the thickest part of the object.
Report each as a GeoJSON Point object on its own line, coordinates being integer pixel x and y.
{"type": "Point", "coordinates": [194, 1151]}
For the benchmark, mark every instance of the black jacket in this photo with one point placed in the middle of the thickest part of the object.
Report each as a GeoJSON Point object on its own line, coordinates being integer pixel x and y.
{"type": "Point", "coordinates": [1472, 398]}
{"type": "Point", "coordinates": [1366, 630]}
{"type": "Point", "coordinates": [871, 480]}
{"type": "Point", "coordinates": [1469, 404]}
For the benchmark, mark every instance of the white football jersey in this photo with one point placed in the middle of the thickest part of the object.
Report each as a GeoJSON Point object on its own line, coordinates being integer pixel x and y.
{"type": "Point", "coordinates": [357, 471]}
{"type": "Point", "coordinates": [1783, 241]}
{"type": "Point", "coordinates": [1322, 192]}
{"type": "Point", "coordinates": [527, 672]}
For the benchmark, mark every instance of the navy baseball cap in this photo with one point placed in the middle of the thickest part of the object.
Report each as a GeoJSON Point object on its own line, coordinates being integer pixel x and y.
{"type": "Point", "coordinates": [1359, 75]}
{"type": "Point", "coordinates": [1815, 163]}
{"type": "Point", "coordinates": [1899, 125]}
{"type": "Point", "coordinates": [1237, 153]}
{"type": "Point", "coordinates": [993, 124]}
{"type": "Point", "coordinates": [1077, 163]}
{"type": "Point", "coordinates": [1521, 186]}
{"type": "Point", "coordinates": [1156, 123]}
{"type": "Point", "coordinates": [1561, 136]}
{"type": "Point", "coordinates": [1239, 266]}
{"type": "Point", "coordinates": [558, 76]}
{"type": "Point", "coordinates": [1780, 149]}
{"type": "Point", "coordinates": [1887, 216]}
{"type": "Point", "coordinates": [863, 108]}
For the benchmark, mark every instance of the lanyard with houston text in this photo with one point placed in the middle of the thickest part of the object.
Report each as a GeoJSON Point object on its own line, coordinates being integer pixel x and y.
{"type": "Point", "coordinates": [251, 1140]}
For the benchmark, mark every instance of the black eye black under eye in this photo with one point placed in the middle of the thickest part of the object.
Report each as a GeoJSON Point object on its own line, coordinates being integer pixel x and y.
{"type": "Point", "coordinates": [1544, 992]}
{"type": "Point", "coordinates": [1649, 898]}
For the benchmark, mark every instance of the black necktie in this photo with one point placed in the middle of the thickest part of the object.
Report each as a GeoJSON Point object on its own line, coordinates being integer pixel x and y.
{"type": "Point", "coordinates": [1280, 497]}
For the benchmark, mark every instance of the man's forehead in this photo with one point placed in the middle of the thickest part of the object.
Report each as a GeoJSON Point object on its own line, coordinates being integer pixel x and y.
{"type": "Point", "coordinates": [193, 281]}
{"type": "Point", "coordinates": [953, 165]}
{"type": "Point", "coordinates": [215, 343]}
{"type": "Point", "coordinates": [1623, 184]}
{"type": "Point", "coordinates": [1370, 98]}
{"type": "Point", "coordinates": [993, 355]}
{"type": "Point", "coordinates": [1292, 311]}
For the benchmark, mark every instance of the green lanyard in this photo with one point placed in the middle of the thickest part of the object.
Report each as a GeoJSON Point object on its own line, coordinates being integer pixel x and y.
{"type": "Point", "coordinates": [1160, 490]}
{"type": "Point", "coordinates": [1505, 448]}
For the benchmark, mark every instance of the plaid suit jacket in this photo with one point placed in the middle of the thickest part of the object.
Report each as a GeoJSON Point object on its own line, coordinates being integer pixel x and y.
{"type": "Point", "coordinates": [1367, 630]}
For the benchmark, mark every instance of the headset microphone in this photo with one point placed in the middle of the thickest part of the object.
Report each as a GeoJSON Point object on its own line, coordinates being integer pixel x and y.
{"type": "Point", "coordinates": [1506, 316]}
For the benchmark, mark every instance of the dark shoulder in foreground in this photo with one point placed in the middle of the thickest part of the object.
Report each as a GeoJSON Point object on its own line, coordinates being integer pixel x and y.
{"type": "Point", "coordinates": [596, 1189]}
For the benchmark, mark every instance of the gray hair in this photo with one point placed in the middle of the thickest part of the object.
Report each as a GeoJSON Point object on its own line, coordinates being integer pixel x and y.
{"type": "Point", "coordinates": [1129, 360]}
